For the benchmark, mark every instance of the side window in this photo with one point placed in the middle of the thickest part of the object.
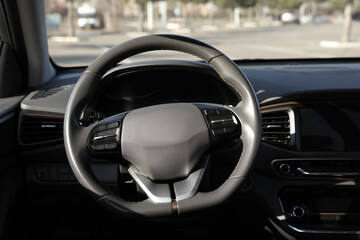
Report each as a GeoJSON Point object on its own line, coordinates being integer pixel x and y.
{"type": "Point", "coordinates": [12, 55]}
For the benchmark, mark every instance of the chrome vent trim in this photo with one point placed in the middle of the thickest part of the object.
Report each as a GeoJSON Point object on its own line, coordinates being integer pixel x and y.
{"type": "Point", "coordinates": [278, 126]}
{"type": "Point", "coordinates": [40, 130]}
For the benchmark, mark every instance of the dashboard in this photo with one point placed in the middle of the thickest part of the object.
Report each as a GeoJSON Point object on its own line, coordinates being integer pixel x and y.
{"type": "Point", "coordinates": [306, 173]}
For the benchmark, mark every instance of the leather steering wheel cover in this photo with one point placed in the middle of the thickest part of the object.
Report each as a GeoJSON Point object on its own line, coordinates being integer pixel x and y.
{"type": "Point", "coordinates": [122, 51]}
{"type": "Point", "coordinates": [248, 111]}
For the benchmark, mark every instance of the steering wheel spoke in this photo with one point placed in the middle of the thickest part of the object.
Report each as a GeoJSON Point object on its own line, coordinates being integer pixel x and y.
{"type": "Point", "coordinates": [166, 192]}
{"type": "Point", "coordinates": [188, 187]}
{"type": "Point", "coordinates": [157, 192]}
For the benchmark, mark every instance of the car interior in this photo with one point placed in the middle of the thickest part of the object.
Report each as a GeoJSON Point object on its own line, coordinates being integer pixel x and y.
{"type": "Point", "coordinates": [215, 147]}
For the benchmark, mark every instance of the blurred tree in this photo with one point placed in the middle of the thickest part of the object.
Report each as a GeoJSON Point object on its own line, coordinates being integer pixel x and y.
{"type": "Point", "coordinates": [337, 5]}
{"type": "Point", "coordinates": [142, 7]}
{"type": "Point", "coordinates": [235, 5]}
{"type": "Point", "coordinates": [185, 10]}
{"type": "Point", "coordinates": [346, 35]}
{"type": "Point", "coordinates": [282, 4]}
{"type": "Point", "coordinates": [71, 17]}
{"type": "Point", "coordinates": [113, 12]}
{"type": "Point", "coordinates": [346, 6]}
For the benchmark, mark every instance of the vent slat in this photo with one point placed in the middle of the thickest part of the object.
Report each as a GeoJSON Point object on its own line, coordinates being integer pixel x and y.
{"type": "Point", "coordinates": [39, 138]}
{"type": "Point", "coordinates": [48, 92]}
{"type": "Point", "coordinates": [276, 127]}
{"type": "Point", "coordinates": [37, 130]}
{"type": "Point", "coordinates": [37, 122]}
{"type": "Point", "coordinates": [285, 133]}
{"type": "Point", "coordinates": [43, 126]}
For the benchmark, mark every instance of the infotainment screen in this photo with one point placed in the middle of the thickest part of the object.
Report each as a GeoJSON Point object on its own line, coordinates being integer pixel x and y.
{"type": "Point", "coordinates": [330, 128]}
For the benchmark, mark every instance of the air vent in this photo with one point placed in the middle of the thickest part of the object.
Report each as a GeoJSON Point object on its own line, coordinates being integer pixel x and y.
{"type": "Point", "coordinates": [38, 130]}
{"type": "Point", "coordinates": [276, 127]}
{"type": "Point", "coordinates": [48, 92]}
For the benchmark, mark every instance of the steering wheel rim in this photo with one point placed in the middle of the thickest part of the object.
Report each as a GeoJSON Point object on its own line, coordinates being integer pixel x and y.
{"type": "Point", "coordinates": [75, 135]}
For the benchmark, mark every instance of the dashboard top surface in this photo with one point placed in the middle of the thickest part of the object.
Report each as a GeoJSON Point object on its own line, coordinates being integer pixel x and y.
{"type": "Point", "coordinates": [272, 83]}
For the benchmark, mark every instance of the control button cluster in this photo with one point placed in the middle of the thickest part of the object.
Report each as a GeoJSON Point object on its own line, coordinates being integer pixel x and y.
{"type": "Point", "coordinates": [223, 124]}
{"type": "Point", "coordinates": [105, 138]}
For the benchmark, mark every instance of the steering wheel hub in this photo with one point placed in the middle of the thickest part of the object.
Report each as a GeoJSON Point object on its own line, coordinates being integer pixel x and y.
{"type": "Point", "coordinates": [165, 142]}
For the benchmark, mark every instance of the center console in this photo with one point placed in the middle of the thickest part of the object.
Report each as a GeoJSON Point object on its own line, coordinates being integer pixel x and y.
{"type": "Point", "coordinates": [317, 172]}
{"type": "Point", "coordinates": [325, 198]}
{"type": "Point", "coordinates": [318, 210]}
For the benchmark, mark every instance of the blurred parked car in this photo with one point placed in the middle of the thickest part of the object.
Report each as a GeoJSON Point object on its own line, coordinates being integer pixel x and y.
{"type": "Point", "coordinates": [356, 16]}
{"type": "Point", "coordinates": [314, 19]}
{"type": "Point", "coordinates": [53, 21]}
{"type": "Point", "coordinates": [289, 17]}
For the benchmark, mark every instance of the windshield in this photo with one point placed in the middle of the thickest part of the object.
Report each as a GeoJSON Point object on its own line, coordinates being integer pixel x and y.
{"type": "Point", "coordinates": [79, 31]}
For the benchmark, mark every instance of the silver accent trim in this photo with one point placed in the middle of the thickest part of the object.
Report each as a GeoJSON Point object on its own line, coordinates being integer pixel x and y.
{"type": "Point", "coordinates": [307, 174]}
{"type": "Point", "coordinates": [188, 187]}
{"type": "Point", "coordinates": [157, 192]}
{"type": "Point", "coordinates": [324, 231]}
{"type": "Point", "coordinates": [327, 174]}
{"type": "Point", "coordinates": [48, 126]}
{"type": "Point", "coordinates": [294, 212]}
{"type": "Point", "coordinates": [286, 170]}
{"type": "Point", "coordinates": [221, 120]}
{"type": "Point", "coordinates": [273, 126]}
{"type": "Point", "coordinates": [105, 136]}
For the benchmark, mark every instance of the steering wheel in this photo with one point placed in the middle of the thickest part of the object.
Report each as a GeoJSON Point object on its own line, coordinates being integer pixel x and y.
{"type": "Point", "coordinates": [165, 146]}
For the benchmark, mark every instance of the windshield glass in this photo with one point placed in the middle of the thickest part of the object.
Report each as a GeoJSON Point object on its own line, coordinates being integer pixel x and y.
{"type": "Point", "coordinates": [79, 31]}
